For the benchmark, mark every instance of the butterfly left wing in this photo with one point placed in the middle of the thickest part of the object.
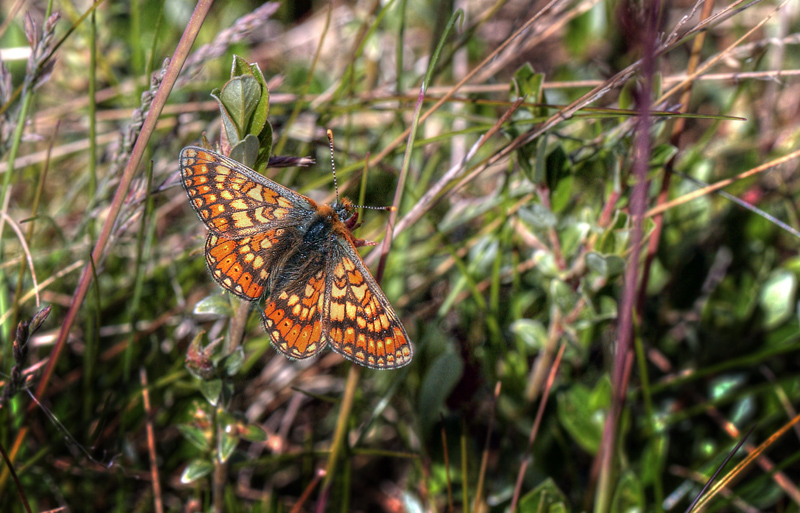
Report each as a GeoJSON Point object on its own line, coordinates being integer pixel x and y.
{"type": "Point", "coordinates": [233, 200]}
{"type": "Point", "coordinates": [358, 319]}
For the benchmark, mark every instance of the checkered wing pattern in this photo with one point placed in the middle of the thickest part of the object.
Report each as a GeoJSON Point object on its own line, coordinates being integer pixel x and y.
{"type": "Point", "coordinates": [233, 200]}
{"type": "Point", "coordinates": [293, 316]}
{"type": "Point", "coordinates": [358, 320]}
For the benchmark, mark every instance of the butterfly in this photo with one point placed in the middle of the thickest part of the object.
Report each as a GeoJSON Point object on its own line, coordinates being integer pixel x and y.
{"type": "Point", "coordinates": [266, 240]}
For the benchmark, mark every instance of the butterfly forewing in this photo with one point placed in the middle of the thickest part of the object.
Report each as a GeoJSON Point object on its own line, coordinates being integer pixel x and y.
{"type": "Point", "coordinates": [233, 200]}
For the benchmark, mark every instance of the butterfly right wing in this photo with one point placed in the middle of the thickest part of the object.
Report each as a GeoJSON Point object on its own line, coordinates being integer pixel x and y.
{"type": "Point", "coordinates": [233, 200]}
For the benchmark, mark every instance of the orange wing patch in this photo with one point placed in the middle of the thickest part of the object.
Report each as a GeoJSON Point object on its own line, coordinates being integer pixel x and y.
{"type": "Point", "coordinates": [361, 324]}
{"type": "Point", "coordinates": [293, 318]}
{"type": "Point", "coordinates": [241, 266]}
{"type": "Point", "coordinates": [231, 199]}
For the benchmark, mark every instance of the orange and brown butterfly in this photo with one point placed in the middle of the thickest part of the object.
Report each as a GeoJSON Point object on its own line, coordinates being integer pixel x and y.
{"type": "Point", "coordinates": [267, 240]}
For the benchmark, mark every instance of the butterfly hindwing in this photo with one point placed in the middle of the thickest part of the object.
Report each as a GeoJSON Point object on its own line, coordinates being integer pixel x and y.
{"type": "Point", "coordinates": [358, 320]}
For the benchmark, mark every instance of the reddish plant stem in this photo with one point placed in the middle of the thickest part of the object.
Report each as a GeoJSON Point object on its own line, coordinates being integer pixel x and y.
{"type": "Point", "coordinates": [623, 356]}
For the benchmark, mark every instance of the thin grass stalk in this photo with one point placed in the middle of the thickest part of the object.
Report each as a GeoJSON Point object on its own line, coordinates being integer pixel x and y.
{"type": "Point", "coordinates": [464, 471]}
{"type": "Point", "coordinates": [298, 507]}
{"type": "Point", "coordinates": [220, 475]}
{"type": "Point", "coordinates": [360, 40]}
{"type": "Point", "coordinates": [527, 457]}
{"type": "Point", "coordinates": [5, 327]}
{"type": "Point", "coordinates": [401, 183]}
{"type": "Point", "coordinates": [742, 465]}
{"type": "Point", "coordinates": [447, 467]}
{"type": "Point", "coordinates": [399, 47]}
{"type": "Point", "coordinates": [339, 435]}
{"type": "Point", "coordinates": [179, 56]}
{"type": "Point", "coordinates": [10, 466]}
{"type": "Point", "coordinates": [138, 274]}
{"type": "Point", "coordinates": [238, 323]}
{"type": "Point", "coordinates": [92, 341]}
{"type": "Point", "coordinates": [650, 414]}
{"type": "Point", "coordinates": [18, 91]}
{"type": "Point", "coordinates": [722, 184]}
{"type": "Point", "coordinates": [485, 456]}
{"type": "Point", "coordinates": [638, 205]}
{"type": "Point", "coordinates": [37, 198]}
{"type": "Point", "coordinates": [135, 34]}
{"type": "Point", "coordinates": [437, 190]}
{"type": "Point", "coordinates": [347, 484]}
{"type": "Point", "coordinates": [300, 103]}
{"type": "Point", "coordinates": [492, 322]}
{"type": "Point", "coordinates": [92, 120]}
{"type": "Point", "coordinates": [158, 503]}
{"type": "Point", "coordinates": [10, 15]}
{"type": "Point", "coordinates": [601, 90]}
{"type": "Point", "coordinates": [354, 373]}
{"type": "Point", "coordinates": [769, 467]}
{"type": "Point", "coordinates": [504, 241]}
{"type": "Point", "coordinates": [151, 62]}
{"type": "Point", "coordinates": [675, 140]}
{"type": "Point", "coordinates": [680, 86]}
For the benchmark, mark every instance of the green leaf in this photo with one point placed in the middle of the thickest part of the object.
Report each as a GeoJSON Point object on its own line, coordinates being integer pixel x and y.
{"type": "Point", "coordinates": [540, 166]}
{"type": "Point", "coordinates": [607, 266]}
{"type": "Point", "coordinates": [259, 119]}
{"type": "Point", "coordinates": [227, 436]}
{"type": "Point", "coordinates": [241, 95]}
{"type": "Point", "coordinates": [521, 82]}
{"type": "Point", "coordinates": [233, 362]}
{"type": "Point", "coordinates": [563, 295]}
{"type": "Point", "coordinates": [776, 297]}
{"type": "Point", "coordinates": [253, 433]}
{"type": "Point", "coordinates": [215, 304]}
{"type": "Point", "coordinates": [246, 151]}
{"type": "Point", "coordinates": [561, 196]}
{"type": "Point", "coordinates": [533, 333]}
{"type": "Point", "coordinates": [239, 67]}
{"type": "Point", "coordinates": [545, 498]}
{"type": "Point", "coordinates": [583, 413]}
{"type": "Point", "coordinates": [265, 148]}
{"type": "Point", "coordinates": [195, 435]}
{"type": "Point", "coordinates": [556, 168]}
{"type": "Point", "coordinates": [629, 496]}
{"type": "Point", "coordinates": [662, 154]}
{"type": "Point", "coordinates": [195, 470]}
{"type": "Point", "coordinates": [227, 122]}
{"type": "Point", "coordinates": [211, 390]}
{"type": "Point", "coordinates": [442, 376]}
{"type": "Point", "coordinates": [538, 216]}
{"type": "Point", "coordinates": [614, 239]}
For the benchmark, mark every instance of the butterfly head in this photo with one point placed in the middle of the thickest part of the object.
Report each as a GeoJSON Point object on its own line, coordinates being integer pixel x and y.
{"type": "Point", "coordinates": [347, 212]}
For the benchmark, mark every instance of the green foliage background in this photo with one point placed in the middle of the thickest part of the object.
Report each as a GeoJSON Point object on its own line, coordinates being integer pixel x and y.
{"type": "Point", "coordinates": [519, 255]}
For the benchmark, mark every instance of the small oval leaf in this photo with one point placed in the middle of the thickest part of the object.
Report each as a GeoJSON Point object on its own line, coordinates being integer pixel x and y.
{"type": "Point", "coordinates": [195, 470]}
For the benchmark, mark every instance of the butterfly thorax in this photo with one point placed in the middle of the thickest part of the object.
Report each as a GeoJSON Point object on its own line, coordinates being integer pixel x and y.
{"type": "Point", "coordinates": [336, 219]}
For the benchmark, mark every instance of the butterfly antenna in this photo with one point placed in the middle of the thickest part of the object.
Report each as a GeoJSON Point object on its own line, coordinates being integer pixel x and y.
{"type": "Point", "coordinates": [333, 164]}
